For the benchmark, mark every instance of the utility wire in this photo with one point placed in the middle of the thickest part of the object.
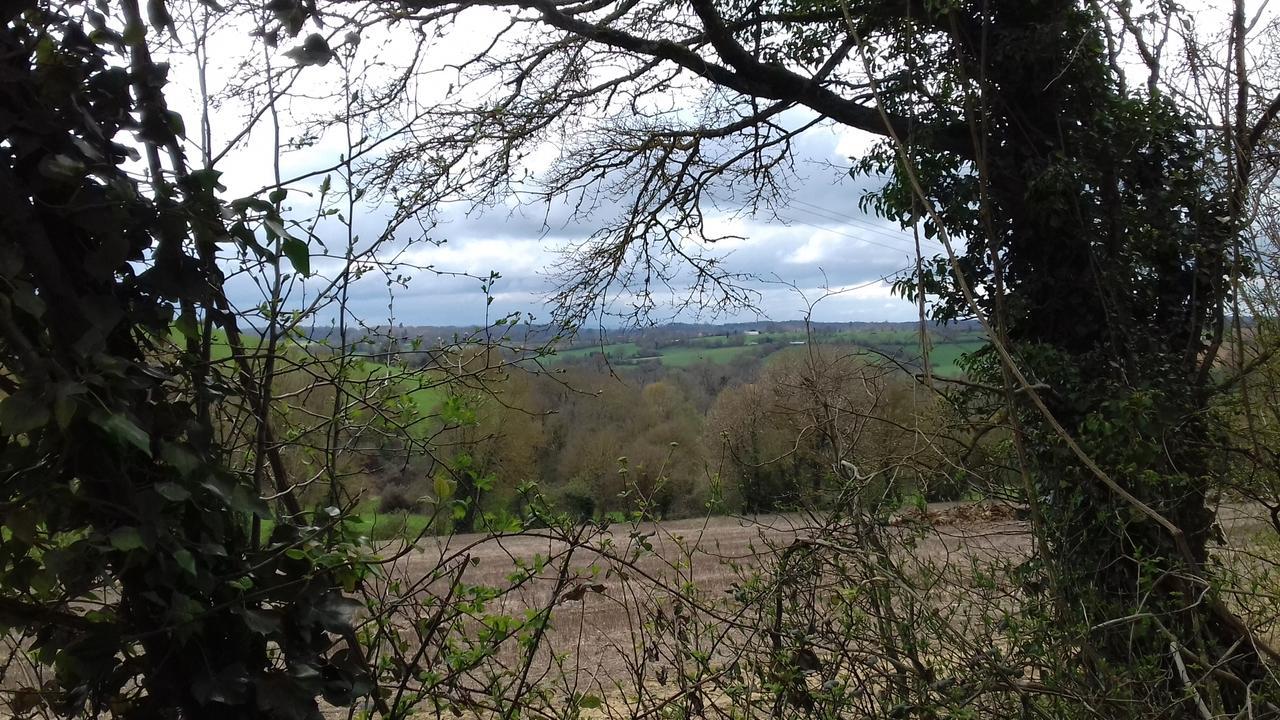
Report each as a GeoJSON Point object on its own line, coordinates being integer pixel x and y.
{"type": "Point", "coordinates": [848, 219]}
{"type": "Point", "coordinates": [901, 248]}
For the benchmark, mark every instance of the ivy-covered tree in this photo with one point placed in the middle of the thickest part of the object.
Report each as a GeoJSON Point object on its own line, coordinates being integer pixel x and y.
{"type": "Point", "coordinates": [1102, 227]}
{"type": "Point", "coordinates": [134, 564]}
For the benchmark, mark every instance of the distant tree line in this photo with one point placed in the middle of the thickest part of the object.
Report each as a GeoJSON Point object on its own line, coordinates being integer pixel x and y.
{"type": "Point", "coordinates": [750, 435]}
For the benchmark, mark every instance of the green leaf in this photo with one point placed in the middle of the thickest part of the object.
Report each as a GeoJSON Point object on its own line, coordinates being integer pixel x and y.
{"type": "Point", "coordinates": [186, 327]}
{"type": "Point", "coordinates": [336, 612]}
{"type": "Point", "coordinates": [444, 488]}
{"type": "Point", "coordinates": [159, 16]}
{"type": "Point", "coordinates": [26, 300]}
{"type": "Point", "coordinates": [221, 489]}
{"type": "Point", "coordinates": [180, 459]}
{"type": "Point", "coordinates": [275, 226]}
{"type": "Point", "coordinates": [23, 412]}
{"type": "Point", "coordinates": [22, 524]}
{"type": "Point", "coordinates": [123, 429]}
{"type": "Point", "coordinates": [176, 123]}
{"type": "Point", "coordinates": [589, 702]}
{"type": "Point", "coordinates": [207, 180]}
{"type": "Point", "coordinates": [297, 252]}
{"type": "Point", "coordinates": [242, 205]}
{"type": "Point", "coordinates": [313, 51]}
{"type": "Point", "coordinates": [263, 622]}
{"type": "Point", "coordinates": [126, 539]}
{"type": "Point", "coordinates": [172, 492]}
{"type": "Point", "coordinates": [245, 500]}
{"type": "Point", "coordinates": [186, 561]}
{"type": "Point", "coordinates": [213, 549]}
{"type": "Point", "coordinates": [64, 403]}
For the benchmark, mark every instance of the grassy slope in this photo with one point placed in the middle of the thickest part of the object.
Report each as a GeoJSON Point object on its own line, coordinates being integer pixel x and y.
{"type": "Point", "coordinates": [685, 356]}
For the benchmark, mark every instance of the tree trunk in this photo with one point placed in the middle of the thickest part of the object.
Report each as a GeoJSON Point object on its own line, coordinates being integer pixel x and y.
{"type": "Point", "coordinates": [1110, 261]}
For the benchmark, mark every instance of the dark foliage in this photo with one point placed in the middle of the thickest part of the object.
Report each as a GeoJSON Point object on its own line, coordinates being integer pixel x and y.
{"type": "Point", "coordinates": [131, 563]}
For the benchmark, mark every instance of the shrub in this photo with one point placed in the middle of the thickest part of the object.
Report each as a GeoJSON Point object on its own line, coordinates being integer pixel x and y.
{"type": "Point", "coordinates": [396, 499]}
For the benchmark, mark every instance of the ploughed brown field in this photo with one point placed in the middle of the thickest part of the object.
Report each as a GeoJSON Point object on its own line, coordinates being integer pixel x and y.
{"type": "Point", "coordinates": [617, 614]}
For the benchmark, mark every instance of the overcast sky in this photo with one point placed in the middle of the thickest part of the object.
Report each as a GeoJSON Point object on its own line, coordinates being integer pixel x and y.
{"type": "Point", "coordinates": [820, 239]}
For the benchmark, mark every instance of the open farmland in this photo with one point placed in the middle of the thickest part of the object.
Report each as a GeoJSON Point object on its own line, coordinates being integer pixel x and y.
{"type": "Point", "coordinates": [632, 607]}
{"type": "Point", "coordinates": [899, 344]}
{"type": "Point", "coordinates": [602, 628]}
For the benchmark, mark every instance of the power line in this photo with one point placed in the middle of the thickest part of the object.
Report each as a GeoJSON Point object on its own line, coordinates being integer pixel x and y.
{"type": "Point", "coordinates": [835, 216]}
{"type": "Point", "coordinates": [900, 248]}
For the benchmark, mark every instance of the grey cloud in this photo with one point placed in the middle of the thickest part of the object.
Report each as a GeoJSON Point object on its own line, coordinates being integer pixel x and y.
{"type": "Point", "coordinates": [815, 236]}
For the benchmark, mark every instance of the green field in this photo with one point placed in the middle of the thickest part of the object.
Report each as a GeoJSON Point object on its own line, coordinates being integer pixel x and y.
{"type": "Point", "coordinates": [671, 356]}
{"type": "Point", "coordinates": [900, 344]}
{"type": "Point", "coordinates": [388, 526]}
{"type": "Point", "coordinates": [686, 356]}
{"type": "Point", "coordinates": [614, 351]}
{"type": "Point", "coordinates": [945, 358]}
{"type": "Point", "coordinates": [368, 523]}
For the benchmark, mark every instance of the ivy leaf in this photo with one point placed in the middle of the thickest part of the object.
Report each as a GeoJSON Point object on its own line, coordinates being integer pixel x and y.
{"type": "Point", "coordinates": [292, 247]}
{"type": "Point", "coordinates": [176, 124]}
{"type": "Point", "coordinates": [26, 300]}
{"type": "Point", "coordinates": [263, 622]}
{"type": "Point", "coordinates": [186, 561]}
{"type": "Point", "coordinates": [213, 549]}
{"type": "Point", "coordinates": [245, 237]}
{"type": "Point", "coordinates": [313, 51]}
{"type": "Point", "coordinates": [336, 612]}
{"type": "Point", "coordinates": [242, 205]}
{"type": "Point", "coordinates": [64, 409]}
{"type": "Point", "coordinates": [274, 225]}
{"type": "Point", "coordinates": [123, 429]}
{"type": "Point", "coordinates": [172, 492]}
{"type": "Point", "coordinates": [180, 459]}
{"type": "Point", "coordinates": [126, 538]}
{"type": "Point", "coordinates": [297, 252]}
{"type": "Point", "coordinates": [22, 412]}
{"type": "Point", "coordinates": [290, 13]}
{"type": "Point", "coordinates": [242, 584]}
{"type": "Point", "coordinates": [207, 179]}
{"type": "Point", "coordinates": [22, 524]}
{"type": "Point", "coordinates": [283, 697]}
{"type": "Point", "coordinates": [159, 16]}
